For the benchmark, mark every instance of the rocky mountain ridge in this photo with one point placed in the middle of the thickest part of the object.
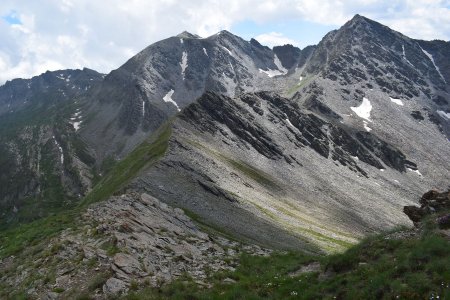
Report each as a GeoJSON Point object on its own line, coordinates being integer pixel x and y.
{"type": "Point", "coordinates": [367, 101]}
{"type": "Point", "coordinates": [300, 149]}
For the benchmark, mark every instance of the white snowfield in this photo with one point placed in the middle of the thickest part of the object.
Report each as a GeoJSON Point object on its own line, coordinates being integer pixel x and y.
{"type": "Point", "coordinates": [363, 111]}
{"type": "Point", "coordinates": [396, 101]}
{"type": "Point", "coordinates": [168, 98]}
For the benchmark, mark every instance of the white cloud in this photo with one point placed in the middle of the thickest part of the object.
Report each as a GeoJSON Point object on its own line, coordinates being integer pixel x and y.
{"type": "Point", "coordinates": [272, 39]}
{"type": "Point", "coordinates": [103, 34]}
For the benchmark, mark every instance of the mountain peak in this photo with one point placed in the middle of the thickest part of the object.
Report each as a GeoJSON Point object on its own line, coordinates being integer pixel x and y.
{"type": "Point", "coordinates": [364, 22]}
{"type": "Point", "coordinates": [188, 35]}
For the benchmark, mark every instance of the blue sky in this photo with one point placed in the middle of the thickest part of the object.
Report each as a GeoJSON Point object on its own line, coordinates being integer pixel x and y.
{"type": "Point", "coordinates": [299, 32]}
{"type": "Point", "coordinates": [58, 34]}
{"type": "Point", "coordinates": [12, 18]}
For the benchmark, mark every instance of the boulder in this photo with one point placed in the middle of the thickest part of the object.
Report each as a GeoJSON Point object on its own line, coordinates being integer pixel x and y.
{"type": "Point", "coordinates": [114, 286]}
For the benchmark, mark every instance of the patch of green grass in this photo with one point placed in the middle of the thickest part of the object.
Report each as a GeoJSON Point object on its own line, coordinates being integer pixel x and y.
{"type": "Point", "coordinates": [110, 247]}
{"type": "Point", "coordinates": [31, 234]}
{"type": "Point", "coordinates": [98, 281]}
{"type": "Point", "coordinates": [125, 170]}
{"type": "Point", "coordinates": [58, 290]}
{"type": "Point", "coordinates": [292, 90]}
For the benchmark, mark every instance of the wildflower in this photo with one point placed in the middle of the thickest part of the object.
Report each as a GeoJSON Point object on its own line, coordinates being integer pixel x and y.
{"type": "Point", "coordinates": [294, 293]}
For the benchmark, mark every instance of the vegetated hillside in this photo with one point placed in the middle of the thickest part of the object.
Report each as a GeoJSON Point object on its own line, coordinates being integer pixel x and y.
{"type": "Point", "coordinates": [44, 165]}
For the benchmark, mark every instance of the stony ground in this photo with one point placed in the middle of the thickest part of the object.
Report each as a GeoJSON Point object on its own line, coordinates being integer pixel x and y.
{"type": "Point", "coordinates": [129, 241]}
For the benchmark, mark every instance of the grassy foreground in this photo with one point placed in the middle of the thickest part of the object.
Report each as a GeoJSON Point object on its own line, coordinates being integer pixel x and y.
{"type": "Point", "coordinates": [380, 267]}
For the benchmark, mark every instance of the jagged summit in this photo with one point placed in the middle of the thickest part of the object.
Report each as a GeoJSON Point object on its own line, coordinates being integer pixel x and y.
{"type": "Point", "coordinates": [188, 35]}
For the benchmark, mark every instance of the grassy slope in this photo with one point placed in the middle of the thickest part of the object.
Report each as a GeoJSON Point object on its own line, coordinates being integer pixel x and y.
{"type": "Point", "coordinates": [15, 239]}
{"type": "Point", "coordinates": [380, 267]}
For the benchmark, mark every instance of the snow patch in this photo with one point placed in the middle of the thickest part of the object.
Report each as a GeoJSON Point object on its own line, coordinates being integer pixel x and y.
{"type": "Point", "coordinates": [184, 63]}
{"type": "Point", "coordinates": [279, 65]}
{"type": "Point", "coordinates": [443, 114]}
{"type": "Point", "coordinates": [181, 41]}
{"type": "Point", "coordinates": [363, 111]}
{"type": "Point", "coordinates": [74, 120]}
{"type": "Point", "coordinates": [434, 64]}
{"type": "Point", "coordinates": [382, 170]}
{"type": "Point", "coordinates": [415, 171]}
{"type": "Point", "coordinates": [396, 101]}
{"type": "Point", "coordinates": [271, 73]}
{"type": "Point", "coordinates": [300, 79]}
{"type": "Point", "coordinates": [367, 128]}
{"type": "Point", "coordinates": [76, 125]}
{"type": "Point", "coordinates": [143, 107]}
{"type": "Point", "coordinates": [60, 150]}
{"type": "Point", "coordinates": [204, 51]}
{"type": "Point", "coordinates": [228, 50]}
{"type": "Point", "coordinates": [289, 123]}
{"type": "Point", "coordinates": [168, 98]}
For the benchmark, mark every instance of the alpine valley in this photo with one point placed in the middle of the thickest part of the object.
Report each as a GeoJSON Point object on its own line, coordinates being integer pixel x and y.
{"type": "Point", "coordinates": [199, 155]}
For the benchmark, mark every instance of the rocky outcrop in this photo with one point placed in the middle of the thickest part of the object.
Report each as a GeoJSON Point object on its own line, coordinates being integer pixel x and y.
{"type": "Point", "coordinates": [132, 239]}
{"type": "Point", "coordinates": [327, 139]}
{"type": "Point", "coordinates": [432, 202]}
